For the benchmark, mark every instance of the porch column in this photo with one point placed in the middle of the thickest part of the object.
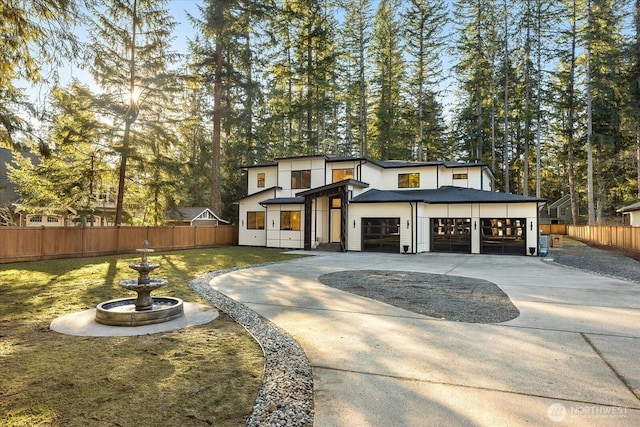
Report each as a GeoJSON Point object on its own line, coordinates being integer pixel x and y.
{"type": "Point", "coordinates": [343, 218]}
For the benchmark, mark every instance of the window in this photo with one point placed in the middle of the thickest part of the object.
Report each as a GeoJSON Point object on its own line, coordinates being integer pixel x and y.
{"type": "Point", "coordinates": [290, 220]}
{"type": "Point", "coordinates": [261, 179]}
{"type": "Point", "coordinates": [342, 174]}
{"type": "Point", "coordinates": [52, 219]}
{"type": "Point", "coordinates": [301, 179]}
{"type": "Point", "coordinates": [459, 176]}
{"type": "Point", "coordinates": [408, 180]}
{"type": "Point", "coordinates": [255, 220]}
{"type": "Point", "coordinates": [35, 218]}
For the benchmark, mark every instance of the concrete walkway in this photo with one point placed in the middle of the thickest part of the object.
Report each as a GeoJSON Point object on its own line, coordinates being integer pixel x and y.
{"type": "Point", "coordinates": [572, 357]}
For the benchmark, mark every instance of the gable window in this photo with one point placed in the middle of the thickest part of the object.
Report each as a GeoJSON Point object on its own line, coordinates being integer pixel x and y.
{"type": "Point", "coordinates": [301, 179]}
{"type": "Point", "coordinates": [459, 176]}
{"type": "Point", "coordinates": [408, 180]}
{"type": "Point", "coordinates": [290, 220]}
{"type": "Point", "coordinates": [260, 179]}
{"type": "Point", "coordinates": [255, 220]}
{"type": "Point", "coordinates": [342, 174]}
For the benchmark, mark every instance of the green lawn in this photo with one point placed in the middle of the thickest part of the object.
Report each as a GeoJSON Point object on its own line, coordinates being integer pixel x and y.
{"type": "Point", "coordinates": [204, 375]}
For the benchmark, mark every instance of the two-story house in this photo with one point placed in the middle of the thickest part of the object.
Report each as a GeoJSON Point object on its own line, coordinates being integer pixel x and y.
{"type": "Point", "coordinates": [384, 206]}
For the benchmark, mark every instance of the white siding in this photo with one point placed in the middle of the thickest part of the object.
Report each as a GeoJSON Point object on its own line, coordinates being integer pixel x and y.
{"type": "Point", "coordinates": [358, 211]}
{"type": "Point", "coordinates": [270, 178]}
{"type": "Point", "coordinates": [248, 237]}
{"type": "Point", "coordinates": [276, 238]}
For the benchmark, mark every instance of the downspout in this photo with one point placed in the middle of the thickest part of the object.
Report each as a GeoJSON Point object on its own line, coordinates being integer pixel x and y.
{"type": "Point", "coordinates": [411, 216]}
{"type": "Point", "coordinates": [416, 228]}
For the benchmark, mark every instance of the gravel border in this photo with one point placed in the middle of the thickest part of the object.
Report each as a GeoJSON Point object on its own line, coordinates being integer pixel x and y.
{"type": "Point", "coordinates": [285, 397]}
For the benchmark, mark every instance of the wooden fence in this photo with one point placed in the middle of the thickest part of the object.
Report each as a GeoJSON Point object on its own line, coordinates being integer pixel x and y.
{"type": "Point", "coordinates": [623, 237]}
{"type": "Point", "coordinates": [31, 244]}
{"type": "Point", "coordinates": [553, 229]}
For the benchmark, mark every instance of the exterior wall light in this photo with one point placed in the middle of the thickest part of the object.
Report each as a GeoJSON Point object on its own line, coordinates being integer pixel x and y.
{"type": "Point", "coordinates": [407, 224]}
{"type": "Point", "coordinates": [354, 223]}
{"type": "Point", "coordinates": [475, 225]}
{"type": "Point", "coordinates": [273, 223]}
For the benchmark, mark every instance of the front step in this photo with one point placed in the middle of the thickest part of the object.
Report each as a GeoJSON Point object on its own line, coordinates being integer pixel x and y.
{"type": "Point", "coordinates": [329, 247]}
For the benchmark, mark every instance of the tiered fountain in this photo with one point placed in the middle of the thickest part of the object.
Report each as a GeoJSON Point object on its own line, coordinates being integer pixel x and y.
{"type": "Point", "coordinates": [144, 309]}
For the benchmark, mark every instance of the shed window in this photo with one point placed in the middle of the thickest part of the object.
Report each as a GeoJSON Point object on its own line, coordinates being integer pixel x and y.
{"type": "Point", "coordinates": [408, 180]}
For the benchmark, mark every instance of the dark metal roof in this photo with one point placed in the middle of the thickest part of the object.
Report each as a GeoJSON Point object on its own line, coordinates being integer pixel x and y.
{"type": "Point", "coordinates": [283, 201]}
{"type": "Point", "coordinates": [331, 186]}
{"type": "Point", "coordinates": [445, 194]}
{"type": "Point", "coordinates": [261, 165]}
{"type": "Point", "coordinates": [390, 164]}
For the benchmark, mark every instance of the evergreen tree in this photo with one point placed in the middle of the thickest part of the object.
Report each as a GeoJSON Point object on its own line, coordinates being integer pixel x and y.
{"type": "Point", "coordinates": [131, 59]}
{"type": "Point", "coordinates": [356, 33]}
{"type": "Point", "coordinates": [33, 34]}
{"type": "Point", "coordinates": [388, 76]}
{"type": "Point", "coordinates": [425, 21]}
{"type": "Point", "coordinates": [76, 174]}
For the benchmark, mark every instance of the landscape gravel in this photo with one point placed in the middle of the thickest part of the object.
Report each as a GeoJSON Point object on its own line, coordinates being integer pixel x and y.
{"type": "Point", "coordinates": [607, 263]}
{"type": "Point", "coordinates": [285, 397]}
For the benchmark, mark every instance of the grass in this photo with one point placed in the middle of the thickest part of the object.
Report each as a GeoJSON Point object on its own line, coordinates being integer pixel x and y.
{"type": "Point", "coordinates": [204, 375]}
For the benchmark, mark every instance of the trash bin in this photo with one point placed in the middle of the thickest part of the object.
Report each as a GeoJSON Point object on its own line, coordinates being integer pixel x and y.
{"type": "Point", "coordinates": [544, 246]}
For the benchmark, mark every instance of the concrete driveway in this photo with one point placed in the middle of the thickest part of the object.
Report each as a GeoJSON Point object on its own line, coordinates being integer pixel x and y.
{"type": "Point", "coordinates": [572, 357]}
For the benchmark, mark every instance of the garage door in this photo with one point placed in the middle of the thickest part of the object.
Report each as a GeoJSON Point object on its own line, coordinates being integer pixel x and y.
{"type": "Point", "coordinates": [505, 236]}
{"type": "Point", "coordinates": [381, 235]}
{"type": "Point", "coordinates": [451, 235]}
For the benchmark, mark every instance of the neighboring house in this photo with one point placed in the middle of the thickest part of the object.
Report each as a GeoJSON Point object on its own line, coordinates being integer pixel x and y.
{"type": "Point", "coordinates": [384, 206]}
{"type": "Point", "coordinates": [558, 212]}
{"type": "Point", "coordinates": [194, 217]}
{"type": "Point", "coordinates": [631, 214]}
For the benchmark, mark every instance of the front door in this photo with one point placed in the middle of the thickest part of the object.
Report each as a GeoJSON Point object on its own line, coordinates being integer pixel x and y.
{"type": "Point", "coordinates": [335, 220]}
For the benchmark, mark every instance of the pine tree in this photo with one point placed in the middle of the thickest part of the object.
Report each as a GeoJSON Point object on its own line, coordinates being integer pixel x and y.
{"type": "Point", "coordinates": [33, 35]}
{"type": "Point", "coordinates": [425, 21]}
{"type": "Point", "coordinates": [388, 75]}
{"type": "Point", "coordinates": [131, 58]}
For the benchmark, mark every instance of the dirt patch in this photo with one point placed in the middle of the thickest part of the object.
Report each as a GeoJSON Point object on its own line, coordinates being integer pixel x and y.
{"type": "Point", "coordinates": [455, 298]}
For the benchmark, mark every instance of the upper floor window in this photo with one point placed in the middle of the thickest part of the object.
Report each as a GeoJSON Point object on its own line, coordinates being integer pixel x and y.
{"type": "Point", "coordinates": [460, 176]}
{"type": "Point", "coordinates": [342, 174]}
{"type": "Point", "coordinates": [261, 179]}
{"type": "Point", "coordinates": [408, 180]}
{"type": "Point", "coordinates": [301, 179]}
{"type": "Point", "coordinates": [290, 220]}
{"type": "Point", "coordinates": [255, 220]}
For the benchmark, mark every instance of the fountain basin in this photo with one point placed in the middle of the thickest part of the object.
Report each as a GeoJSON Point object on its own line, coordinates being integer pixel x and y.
{"type": "Point", "coordinates": [123, 312]}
